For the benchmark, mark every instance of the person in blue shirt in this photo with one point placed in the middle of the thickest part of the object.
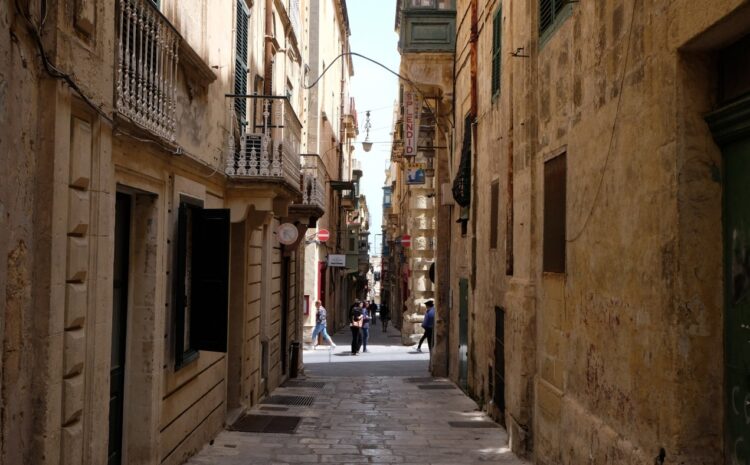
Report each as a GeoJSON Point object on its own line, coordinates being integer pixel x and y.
{"type": "Point", "coordinates": [428, 323]}
{"type": "Point", "coordinates": [320, 326]}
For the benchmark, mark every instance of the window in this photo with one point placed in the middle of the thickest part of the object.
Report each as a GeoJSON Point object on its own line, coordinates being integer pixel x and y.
{"type": "Point", "coordinates": [201, 284]}
{"type": "Point", "coordinates": [549, 12]}
{"type": "Point", "coordinates": [554, 214]}
{"type": "Point", "coordinates": [240, 62]}
{"type": "Point", "coordinates": [496, 50]}
{"type": "Point", "coordinates": [494, 213]}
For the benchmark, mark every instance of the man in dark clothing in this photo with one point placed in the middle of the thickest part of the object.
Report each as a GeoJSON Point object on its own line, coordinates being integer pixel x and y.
{"type": "Point", "coordinates": [355, 325]}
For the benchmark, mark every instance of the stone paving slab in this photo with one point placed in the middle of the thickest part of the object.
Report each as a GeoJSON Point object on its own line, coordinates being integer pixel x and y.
{"type": "Point", "coordinates": [369, 416]}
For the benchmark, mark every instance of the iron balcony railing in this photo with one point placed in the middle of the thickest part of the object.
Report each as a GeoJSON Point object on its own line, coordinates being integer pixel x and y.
{"type": "Point", "coordinates": [147, 60]}
{"type": "Point", "coordinates": [265, 145]}
{"type": "Point", "coordinates": [313, 180]}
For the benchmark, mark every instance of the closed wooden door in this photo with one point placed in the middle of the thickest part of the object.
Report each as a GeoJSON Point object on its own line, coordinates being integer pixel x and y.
{"type": "Point", "coordinates": [737, 299]}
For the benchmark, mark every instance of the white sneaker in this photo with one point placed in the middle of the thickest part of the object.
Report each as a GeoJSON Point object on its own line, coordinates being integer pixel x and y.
{"type": "Point", "coordinates": [419, 350]}
{"type": "Point", "coordinates": [333, 346]}
{"type": "Point", "coordinates": [315, 346]}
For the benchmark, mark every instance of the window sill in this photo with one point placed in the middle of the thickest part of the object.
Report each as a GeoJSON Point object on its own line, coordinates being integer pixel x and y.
{"type": "Point", "coordinates": [187, 358]}
{"type": "Point", "coordinates": [195, 69]}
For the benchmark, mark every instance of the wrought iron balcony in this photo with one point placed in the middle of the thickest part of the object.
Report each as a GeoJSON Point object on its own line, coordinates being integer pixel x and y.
{"type": "Point", "coordinates": [313, 181]}
{"type": "Point", "coordinates": [265, 147]}
{"type": "Point", "coordinates": [148, 47]}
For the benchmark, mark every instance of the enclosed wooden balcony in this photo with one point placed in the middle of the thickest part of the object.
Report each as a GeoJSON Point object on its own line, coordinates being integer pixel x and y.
{"type": "Point", "coordinates": [426, 26]}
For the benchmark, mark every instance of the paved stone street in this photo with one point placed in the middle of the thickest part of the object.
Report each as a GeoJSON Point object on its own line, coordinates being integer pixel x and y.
{"type": "Point", "coordinates": [372, 408]}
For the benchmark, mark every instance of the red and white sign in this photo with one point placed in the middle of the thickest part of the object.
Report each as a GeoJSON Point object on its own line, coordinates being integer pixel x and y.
{"type": "Point", "coordinates": [411, 123]}
{"type": "Point", "coordinates": [406, 240]}
{"type": "Point", "coordinates": [323, 235]}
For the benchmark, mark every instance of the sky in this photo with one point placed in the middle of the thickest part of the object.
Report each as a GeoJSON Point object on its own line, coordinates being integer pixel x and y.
{"type": "Point", "coordinates": [374, 89]}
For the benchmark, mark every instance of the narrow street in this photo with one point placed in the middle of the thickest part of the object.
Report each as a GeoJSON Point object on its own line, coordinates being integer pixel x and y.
{"type": "Point", "coordinates": [378, 407]}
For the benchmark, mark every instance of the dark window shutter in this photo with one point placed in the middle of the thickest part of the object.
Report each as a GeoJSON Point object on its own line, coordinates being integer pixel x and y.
{"type": "Point", "coordinates": [240, 68]}
{"type": "Point", "coordinates": [555, 173]}
{"type": "Point", "coordinates": [496, 51]}
{"type": "Point", "coordinates": [210, 280]}
{"type": "Point", "coordinates": [546, 14]}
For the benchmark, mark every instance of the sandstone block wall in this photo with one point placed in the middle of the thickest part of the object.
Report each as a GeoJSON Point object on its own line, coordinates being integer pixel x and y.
{"type": "Point", "coordinates": [621, 355]}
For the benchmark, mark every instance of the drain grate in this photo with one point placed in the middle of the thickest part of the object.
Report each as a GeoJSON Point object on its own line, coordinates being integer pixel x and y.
{"type": "Point", "coordinates": [472, 424]}
{"type": "Point", "coordinates": [272, 408]}
{"type": "Point", "coordinates": [298, 401]}
{"type": "Point", "coordinates": [266, 424]}
{"type": "Point", "coordinates": [427, 379]}
{"type": "Point", "coordinates": [435, 387]}
{"type": "Point", "coordinates": [298, 383]}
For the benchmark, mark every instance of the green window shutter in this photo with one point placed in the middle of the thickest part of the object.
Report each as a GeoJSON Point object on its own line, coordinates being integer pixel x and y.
{"type": "Point", "coordinates": [549, 11]}
{"type": "Point", "coordinates": [496, 50]}
{"type": "Point", "coordinates": [240, 68]}
{"type": "Point", "coordinates": [546, 15]}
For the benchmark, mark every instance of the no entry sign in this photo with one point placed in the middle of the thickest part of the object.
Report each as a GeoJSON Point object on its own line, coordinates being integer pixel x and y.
{"type": "Point", "coordinates": [406, 240]}
{"type": "Point", "coordinates": [323, 235]}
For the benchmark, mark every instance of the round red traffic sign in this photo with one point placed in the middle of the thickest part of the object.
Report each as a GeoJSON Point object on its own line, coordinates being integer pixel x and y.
{"type": "Point", "coordinates": [406, 240]}
{"type": "Point", "coordinates": [323, 235]}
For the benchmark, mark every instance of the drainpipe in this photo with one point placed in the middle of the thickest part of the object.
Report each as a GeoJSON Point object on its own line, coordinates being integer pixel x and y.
{"type": "Point", "coordinates": [474, 38]}
{"type": "Point", "coordinates": [509, 259]}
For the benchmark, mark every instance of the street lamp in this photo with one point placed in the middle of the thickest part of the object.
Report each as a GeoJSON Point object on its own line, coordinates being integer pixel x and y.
{"type": "Point", "coordinates": [367, 145]}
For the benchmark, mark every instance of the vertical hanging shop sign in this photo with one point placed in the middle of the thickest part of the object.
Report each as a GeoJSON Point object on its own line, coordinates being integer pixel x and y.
{"type": "Point", "coordinates": [411, 123]}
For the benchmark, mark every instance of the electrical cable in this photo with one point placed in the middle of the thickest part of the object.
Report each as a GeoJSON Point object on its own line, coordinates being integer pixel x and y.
{"type": "Point", "coordinates": [614, 129]}
{"type": "Point", "coordinates": [413, 84]}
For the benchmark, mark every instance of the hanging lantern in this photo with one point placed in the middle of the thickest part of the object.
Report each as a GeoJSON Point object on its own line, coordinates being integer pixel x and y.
{"type": "Point", "coordinates": [367, 145]}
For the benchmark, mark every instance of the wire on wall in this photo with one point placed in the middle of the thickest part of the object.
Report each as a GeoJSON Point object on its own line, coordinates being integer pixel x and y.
{"type": "Point", "coordinates": [614, 129]}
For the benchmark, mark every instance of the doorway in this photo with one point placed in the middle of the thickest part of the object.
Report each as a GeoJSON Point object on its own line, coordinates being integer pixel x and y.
{"type": "Point", "coordinates": [123, 207]}
{"type": "Point", "coordinates": [737, 296]}
{"type": "Point", "coordinates": [284, 350]}
{"type": "Point", "coordinates": [498, 395]}
{"type": "Point", "coordinates": [463, 333]}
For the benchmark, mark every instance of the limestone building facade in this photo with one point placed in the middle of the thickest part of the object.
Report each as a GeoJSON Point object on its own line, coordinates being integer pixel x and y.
{"type": "Point", "coordinates": [597, 237]}
{"type": "Point", "coordinates": [153, 203]}
{"type": "Point", "coordinates": [328, 135]}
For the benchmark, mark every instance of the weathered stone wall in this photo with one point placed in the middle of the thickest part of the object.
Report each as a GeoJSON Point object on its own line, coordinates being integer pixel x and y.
{"type": "Point", "coordinates": [620, 355]}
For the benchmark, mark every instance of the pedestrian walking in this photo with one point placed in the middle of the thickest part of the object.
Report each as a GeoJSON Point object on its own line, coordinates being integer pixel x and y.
{"type": "Point", "coordinates": [355, 325]}
{"type": "Point", "coordinates": [385, 316]}
{"type": "Point", "coordinates": [320, 326]}
{"type": "Point", "coordinates": [366, 318]}
{"type": "Point", "coordinates": [428, 323]}
{"type": "Point", "coordinates": [373, 307]}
